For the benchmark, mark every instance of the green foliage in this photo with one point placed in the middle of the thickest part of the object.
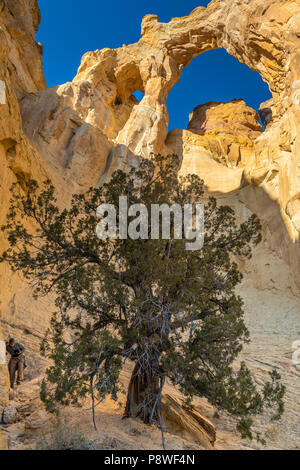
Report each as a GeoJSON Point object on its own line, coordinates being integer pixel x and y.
{"type": "Point", "coordinates": [173, 312]}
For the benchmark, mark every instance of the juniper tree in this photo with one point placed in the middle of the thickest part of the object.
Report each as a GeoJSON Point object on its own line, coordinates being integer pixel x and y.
{"type": "Point", "coordinates": [174, 313]}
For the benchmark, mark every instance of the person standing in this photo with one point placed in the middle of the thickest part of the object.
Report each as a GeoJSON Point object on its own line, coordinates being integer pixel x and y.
{"type": "Point", "coordinates": [16, 362]}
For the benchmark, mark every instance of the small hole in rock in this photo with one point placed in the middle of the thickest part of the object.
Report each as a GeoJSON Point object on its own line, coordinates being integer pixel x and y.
{"type": "Point", "coordinates": [139, 95]}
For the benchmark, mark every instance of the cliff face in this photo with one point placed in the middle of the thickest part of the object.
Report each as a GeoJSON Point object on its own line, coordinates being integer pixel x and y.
{"type": "Point", "coordinates": [20, 73]}
{"type": "Point", "coordinates": [78, 133]}
{"type": "Point", "coordinates": [99, 100]}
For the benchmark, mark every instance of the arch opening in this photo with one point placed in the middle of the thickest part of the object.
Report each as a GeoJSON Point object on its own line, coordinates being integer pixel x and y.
{"type": "Point", "coordinates": [139, 95]}
{"type": "Point", "coordinates": [214, 76]}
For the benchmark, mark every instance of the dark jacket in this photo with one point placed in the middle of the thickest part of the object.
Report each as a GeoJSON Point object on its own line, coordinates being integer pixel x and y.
{"type": "Point", "coordinates": [16, 350]}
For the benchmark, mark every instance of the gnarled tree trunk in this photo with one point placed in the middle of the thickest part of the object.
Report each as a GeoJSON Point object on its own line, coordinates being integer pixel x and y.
{"type": "Point", "coordinates": [143, 393]}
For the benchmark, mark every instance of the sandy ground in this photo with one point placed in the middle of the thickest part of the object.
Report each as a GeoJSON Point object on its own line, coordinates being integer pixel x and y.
{"type": "Point", "coordinates": [112, 432]}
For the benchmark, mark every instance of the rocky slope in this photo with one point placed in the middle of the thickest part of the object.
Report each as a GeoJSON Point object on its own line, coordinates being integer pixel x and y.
{"type": "Point", "coordinates": [79, 132]}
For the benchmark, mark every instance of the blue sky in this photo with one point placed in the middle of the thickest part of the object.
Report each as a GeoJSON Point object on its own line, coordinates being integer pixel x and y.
{"type": "Point", "coordinates": [70, 28]}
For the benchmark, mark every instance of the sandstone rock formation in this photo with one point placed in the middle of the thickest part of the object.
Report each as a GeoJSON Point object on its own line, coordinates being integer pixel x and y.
{"type": "Point", "coordinates": [190, 424]}
{"type": "Point", "coordinates": [3, 441]}
{"type": "Point", "coordinates": [79, 132]}
{"type": "Point", "coordinates": [265, 37]}
{"type": "Point", "coordinates": [4, 386]}
{"type": "Point", "coordinates": [35, 421]}
{"type": "Point", "coordinates": [9, 415]}
{"type": "Point", "coordinates": [20, 73]}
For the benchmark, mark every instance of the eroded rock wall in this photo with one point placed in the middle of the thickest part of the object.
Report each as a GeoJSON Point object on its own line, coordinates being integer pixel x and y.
{"type": "Point", "coordinates": [264, 36]}
{"type": "Point", "coordinates": [20, 73]}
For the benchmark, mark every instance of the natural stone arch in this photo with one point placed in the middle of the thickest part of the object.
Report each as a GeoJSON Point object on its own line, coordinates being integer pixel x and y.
{"type": "Point", "coordinates": [253, 33]}
{"type": "Point", "coordinates": [262, 36]}
{"type": "Point", "coordinates": [216, 76]}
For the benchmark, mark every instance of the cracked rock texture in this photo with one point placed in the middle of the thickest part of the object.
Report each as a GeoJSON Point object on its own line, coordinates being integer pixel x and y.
{"type": "Point", "coordinates": [80, 132]}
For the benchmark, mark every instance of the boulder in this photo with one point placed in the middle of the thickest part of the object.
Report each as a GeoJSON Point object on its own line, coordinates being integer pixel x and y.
{"type": "Point", "coordinates": [36, 420]}
{"type": "Point", "coordinates": [9, 415]}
